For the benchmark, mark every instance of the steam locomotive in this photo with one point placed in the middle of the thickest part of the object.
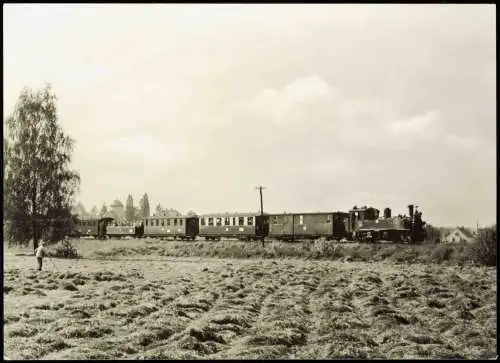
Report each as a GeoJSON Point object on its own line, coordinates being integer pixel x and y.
{"type": "Point", "coordinates": [362, 224]}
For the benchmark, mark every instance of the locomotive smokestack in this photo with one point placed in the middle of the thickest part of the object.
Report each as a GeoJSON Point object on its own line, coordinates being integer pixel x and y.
{"type": "Point", "coordinates": [410, 209]}
{"type": "Point", "coordinates": [387, 213]}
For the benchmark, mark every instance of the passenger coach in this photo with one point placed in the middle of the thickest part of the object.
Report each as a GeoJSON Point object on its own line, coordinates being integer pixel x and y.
{"type": "Point", "coordinates": [120, 230]}
{"type": "Point", "coordinates": [183, 228]}
{"type": "Point", "coordinates": [244, 226]}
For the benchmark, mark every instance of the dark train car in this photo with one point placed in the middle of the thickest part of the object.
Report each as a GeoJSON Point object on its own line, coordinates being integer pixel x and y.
{"type": "Point", "coordinates": [183, 228]}
{"type": "Point", "coordinates": [103, 225]}
{"type": "Point", "coordinates": [330, 225]}
{"type": "Point", "coordinates": [244, 226]}
{"type": "Point", "coordinates": [86, 228]}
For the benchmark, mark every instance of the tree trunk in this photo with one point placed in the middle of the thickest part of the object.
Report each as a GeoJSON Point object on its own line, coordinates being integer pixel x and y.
{"type": "Point", "coordinates": [35, 236]}
{"type": "Point", "coordinates": [34, 227]}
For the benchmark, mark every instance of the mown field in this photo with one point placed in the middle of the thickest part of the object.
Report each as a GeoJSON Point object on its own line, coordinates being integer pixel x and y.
{"type": "Point", "coordinates": [146, 304]}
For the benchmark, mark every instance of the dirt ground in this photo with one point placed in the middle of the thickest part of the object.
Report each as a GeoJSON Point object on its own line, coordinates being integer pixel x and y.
{"type": "Point", "coordinates": [202, 308]}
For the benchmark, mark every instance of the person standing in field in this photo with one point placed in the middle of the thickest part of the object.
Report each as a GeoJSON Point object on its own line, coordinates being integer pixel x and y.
{"type": "Point", "coordinates": [39, 255]}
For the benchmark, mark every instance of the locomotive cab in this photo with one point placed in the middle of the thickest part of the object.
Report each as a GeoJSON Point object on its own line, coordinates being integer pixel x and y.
{"type": "Point", "coordinates": [357, 219]}
{"type": "Point", "coordinates": [361, 214]}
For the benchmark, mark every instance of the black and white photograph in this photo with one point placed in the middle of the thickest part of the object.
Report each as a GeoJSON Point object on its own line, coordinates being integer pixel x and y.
{"type": "Point", "coordinates": [249, 181]}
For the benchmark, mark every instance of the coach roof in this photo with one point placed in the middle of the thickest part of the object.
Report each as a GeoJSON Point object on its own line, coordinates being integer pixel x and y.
{"type": "Point", "coordinates": [232, 214]}
{"type": "Point", "coordinates": [306, 213]}
{"type": "Point", "coordinates": [183, 216]}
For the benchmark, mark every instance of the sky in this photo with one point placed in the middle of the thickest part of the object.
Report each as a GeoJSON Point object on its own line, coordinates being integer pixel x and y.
{"type": "Point", "coordinates": [326, 105]}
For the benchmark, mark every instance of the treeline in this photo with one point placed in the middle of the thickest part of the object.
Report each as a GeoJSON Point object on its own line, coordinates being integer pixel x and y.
{"type": "Point", "coordinates": [130, 211]}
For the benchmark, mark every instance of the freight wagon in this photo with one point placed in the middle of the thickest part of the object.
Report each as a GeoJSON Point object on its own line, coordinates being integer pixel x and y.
{"type": "Point", "coordinates": [287, 227]}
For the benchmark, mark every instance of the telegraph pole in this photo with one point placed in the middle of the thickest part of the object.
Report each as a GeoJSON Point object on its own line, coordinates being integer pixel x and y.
{"type": "Point", "coordinates": [261, 211]}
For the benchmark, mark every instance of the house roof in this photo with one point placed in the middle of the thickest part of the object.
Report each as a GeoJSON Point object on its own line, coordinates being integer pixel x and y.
{"type": "Point", "coordinates": [467, 232]}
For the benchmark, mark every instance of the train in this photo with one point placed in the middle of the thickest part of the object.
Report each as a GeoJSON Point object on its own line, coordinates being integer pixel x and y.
{"type": "Point", "coordinates": [359, 224]}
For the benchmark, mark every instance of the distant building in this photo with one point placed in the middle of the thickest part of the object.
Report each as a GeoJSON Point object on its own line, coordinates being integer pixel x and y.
{"type": "Point", "coordinates": [117, 210]}
{"type": "Point", "coordinates": [458, 234]}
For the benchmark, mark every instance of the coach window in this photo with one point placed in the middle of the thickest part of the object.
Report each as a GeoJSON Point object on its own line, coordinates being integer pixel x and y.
{"type": "Point", "coordinates": [328, 219]}
{"type": "Point", "coordinates": [157, 222]}
{"type": "Point", "coordinates": [301, 220]}
{"type": "Point", "coordinates": [275, 220]}
{"type": "Point", "coordinates": [250, 221]}
{"type": "Point", "coordinates": [241, 221]}
{"type": "Point", "coordinates": [180, 222]}
{"type": "Point", "coordinates": [162, 222]}
{"type": "Point", "coordinates": [218, 221]}
{"type": "Point", "coordinates": [202, 221]}
{"type": "Point", "coordinates": [210, 221]}
{"type": "Point", "coordinates": [234, 221]}
{"type": "Point", "coordinates": [175, 221]}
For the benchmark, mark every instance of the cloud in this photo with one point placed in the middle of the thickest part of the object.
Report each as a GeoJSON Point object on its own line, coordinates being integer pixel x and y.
{"type": "Point", "coordinates": [311, 108]}
{"type": "Point", "coordinates": [460, 142]}
{"type": "Point", "coordinates": [423, 124]}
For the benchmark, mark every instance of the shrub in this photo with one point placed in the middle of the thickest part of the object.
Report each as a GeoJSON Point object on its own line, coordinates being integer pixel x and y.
{"type": "Point", "coordinates": [442, 252]}
{"type": "Point", "coordinates": [65, 250]}
{"type": "Point", "coordinates": [484, 248]}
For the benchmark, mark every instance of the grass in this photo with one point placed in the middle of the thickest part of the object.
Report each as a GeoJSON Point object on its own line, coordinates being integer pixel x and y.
{"type": "Point", "coordinates": [461, 253]}
{"type": "Point", "coordinates": [336, 304]}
